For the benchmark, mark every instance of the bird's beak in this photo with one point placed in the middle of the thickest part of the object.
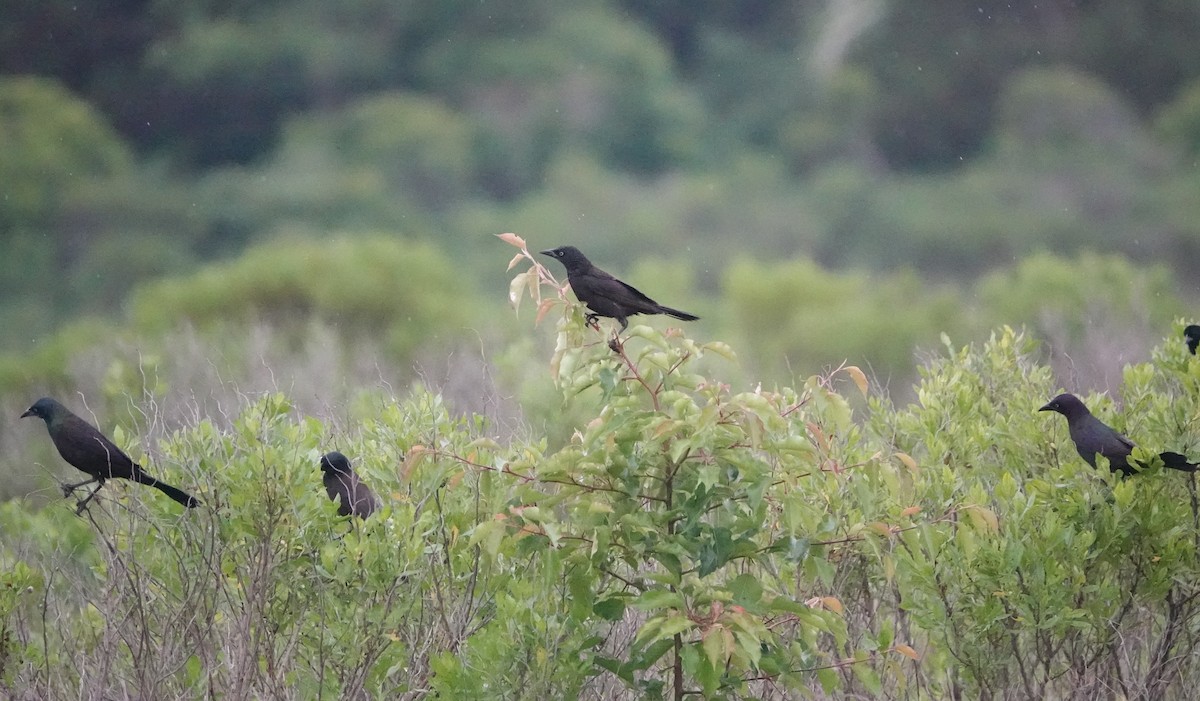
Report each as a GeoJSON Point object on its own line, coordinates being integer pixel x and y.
{"type": "Point", "coordinates": [1047, 408]}
{"type": "Point", "coordinates": [548, 252]}
{"type": "Point", "coordinates": [28, 412]}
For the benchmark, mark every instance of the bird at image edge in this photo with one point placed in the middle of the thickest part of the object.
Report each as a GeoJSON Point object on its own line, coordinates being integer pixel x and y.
{"type": "Point", "coordinates": [1093, 437]}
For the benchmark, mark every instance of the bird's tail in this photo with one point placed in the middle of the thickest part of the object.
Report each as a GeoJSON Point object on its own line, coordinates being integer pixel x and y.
{"type": "Point", "coordinates": [676, 313]}
{"type": "Point", "coordinates": [178, 495]}
{"type": "Point", "coordinates": [1175, 461]}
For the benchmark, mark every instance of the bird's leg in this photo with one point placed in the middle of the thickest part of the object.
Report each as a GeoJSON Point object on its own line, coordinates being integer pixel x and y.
{"type": "Point", "coordinates": [81, 505]}
{"type": "Point", "coordinates": [593, 320]}
{"type": "Point", "coordinates": [69, 489]}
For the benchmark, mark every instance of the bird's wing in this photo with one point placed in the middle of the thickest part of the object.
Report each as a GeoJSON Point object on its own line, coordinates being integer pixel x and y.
{"type": "Point", "coordinates": [610, 286]}
{"type": "Point", "coordinates": [82, 445]}
{"type": "Point", "coordinates": [636, 294]}
{"type": "Point", "coordinates": [1115, 446]}
{"type": "Point", "coordinates": [608, 296]}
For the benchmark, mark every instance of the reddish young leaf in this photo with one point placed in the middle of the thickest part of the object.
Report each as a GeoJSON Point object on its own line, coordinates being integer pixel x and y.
{"type": "Point", "coordinates": [512, 240]}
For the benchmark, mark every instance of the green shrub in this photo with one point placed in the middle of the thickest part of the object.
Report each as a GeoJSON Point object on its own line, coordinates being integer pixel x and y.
{"type": "Point", "coordinates": [688, 538]}
{"type": "Point", "coordinates": [1079, 582]}
{"type": "Point", "coordinates": [798, 315]}
{"type": "Point", "coordinates": [1179, 120]}
{"type": "Point", "coordinates": [53, 142]}
{"type": "Point", "coordinates": [377, 285]}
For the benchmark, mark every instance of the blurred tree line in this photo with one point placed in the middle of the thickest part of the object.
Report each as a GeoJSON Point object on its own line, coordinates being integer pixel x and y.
{"type": "Point", "coordinates": [906, 142]}
{"type": "Point", "coordinates": [206, 83]}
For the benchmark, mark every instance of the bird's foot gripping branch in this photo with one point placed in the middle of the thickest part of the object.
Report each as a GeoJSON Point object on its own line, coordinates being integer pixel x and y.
{"type": "Point", "coordinates": [704, 519]}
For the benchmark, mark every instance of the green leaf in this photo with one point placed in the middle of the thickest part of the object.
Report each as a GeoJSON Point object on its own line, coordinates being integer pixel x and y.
{"type": "Point", "coordinates": [714, 646]}
{"type": "Point", "coordinates": [489, 535]}
{"type": "Point", "coordinates": [651, 654]}
{"type": "Point", "coordinates": [611, 609]}
{"type": "Point", "coordinates": [608, 378]}
{"type": "Point", "coordinates": [675, 623]}
{"type": "Point", "coordinates": [722, 349]}
{"type": "Point", "coordinates": [657, 599]}
{"type": "Point", "coordinates": [623, 671]}
{"type": "Point", "coordinates": [830, 681]}
{"type": "Point", "coordinates": [797, 548]}
{"type": "Point", "coordinates": [671, 562]}
{"type": "Point", "coordinates": [715, 552]}
{"type": "Point", "coordinates": [747, 590]}
{"type": "Point", "coordinates": [580, 586]}
{"type": "Point", "coordinates": [708, 674]}
{"type": "Point", "coordinates": [867, 677]}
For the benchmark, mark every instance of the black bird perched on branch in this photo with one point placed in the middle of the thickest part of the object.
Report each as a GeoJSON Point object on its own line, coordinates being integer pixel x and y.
{"type": "Point", "coordinates": [84, 447]}
{"type": "Point", "coordinates": [343, 486]}
{"type": "Point", "coordinates": [1192, 335]}
{"type": "Point", "coordinates": [1093, 437]}
{"type": "Point", "coordinates": [604, 294]}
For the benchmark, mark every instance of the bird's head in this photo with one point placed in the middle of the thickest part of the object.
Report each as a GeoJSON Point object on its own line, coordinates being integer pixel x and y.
{"type": "Point", "coordinates": [569, 256]}
{"type": "Point", "coordinates": [46, 409]}
{"type": "Point", "coordinates": [1192, 336]}
{"type": "Point", "coordinates": [1066, 404]}
{"type": "Point", "coordinates": [335, 463]}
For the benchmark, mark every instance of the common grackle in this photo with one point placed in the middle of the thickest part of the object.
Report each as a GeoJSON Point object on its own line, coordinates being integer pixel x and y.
{"type": "Point", "coordinates": [1192, 335]}
{"type": "Point", "coordinates": [1093, 437]}
{"type": "Point", "coordinates": [82, 445]}
{"type": "Point", "coordinates": [343, 486]}
{"type": "Point", "coordinates": [604, 294]}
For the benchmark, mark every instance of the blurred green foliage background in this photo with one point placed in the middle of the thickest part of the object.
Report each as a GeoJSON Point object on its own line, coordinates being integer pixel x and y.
{"type": "Point", "coordinates": [236, 233]}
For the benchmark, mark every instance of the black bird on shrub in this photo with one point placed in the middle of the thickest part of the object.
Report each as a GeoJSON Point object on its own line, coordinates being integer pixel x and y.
{"type": "Point", "coordinates": [83, 446]}
{"type": "Point", "coordinates": [604, 294]}
{"type": "Point", "coordinates": [1192, 335]}
{"type": "Point", "coordinates": [1093, 437]}
{"type": "Point", "coordinates": [343, 486]}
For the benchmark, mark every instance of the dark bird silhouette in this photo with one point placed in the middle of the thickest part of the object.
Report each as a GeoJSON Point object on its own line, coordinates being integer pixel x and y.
{"type": "Point", "coordinates": [604, 294]}
{"type": "Point", "coordinates": [83, 446]}
{"type": "Point", "coordinates": [1192, 335]}
{"type": "Point", "coordinates": [1093, 437]}
{"type": "Point", "coordinates": [343, 486]}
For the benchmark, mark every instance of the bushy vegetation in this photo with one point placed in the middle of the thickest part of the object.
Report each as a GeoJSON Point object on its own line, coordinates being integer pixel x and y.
{"type": "Point", "coordinates": [690, 535]}
{"type": "Point", "coordinates": [369, 287]}
{"type": "Point", "coordinates": [237, 235]}
{"type": "Point", "coordinates": [322, 322]}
